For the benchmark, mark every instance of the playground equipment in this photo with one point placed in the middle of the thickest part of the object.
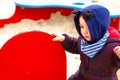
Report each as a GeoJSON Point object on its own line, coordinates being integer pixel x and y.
{"type": "Point", "coordinates": [42, 9]}
{"type": "Point", "coordinates": [32, 56]}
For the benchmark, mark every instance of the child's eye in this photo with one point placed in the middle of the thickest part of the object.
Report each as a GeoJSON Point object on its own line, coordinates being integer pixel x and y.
{"type": "Point", "coordinates": [81, 27]}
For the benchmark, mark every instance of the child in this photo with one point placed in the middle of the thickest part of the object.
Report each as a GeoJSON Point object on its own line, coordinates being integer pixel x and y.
{"type": "Point", "coordinates": [99, 52]}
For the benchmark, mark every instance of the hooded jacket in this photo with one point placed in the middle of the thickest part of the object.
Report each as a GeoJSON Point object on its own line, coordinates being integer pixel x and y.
{"type": "Point", "coordinates": [105, 63]}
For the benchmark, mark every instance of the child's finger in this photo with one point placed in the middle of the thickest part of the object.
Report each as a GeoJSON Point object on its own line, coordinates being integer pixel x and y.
{"type": "Point", "coordinates": [58, 39]}
{"type": "Point", "coordinates": [55, 39]}
{"type": "Point", "coordinates": [54, 35]}
{"type": "Point", "coordinates": [118, 54]}
{"type": "Point", "coordinates": [116, 49]}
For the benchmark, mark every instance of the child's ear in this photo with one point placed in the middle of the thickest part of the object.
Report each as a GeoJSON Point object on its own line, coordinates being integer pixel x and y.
{"type": "Point", "coordinates": [87, 14]}
{"type": "Point", "coordinates": [75, 11]}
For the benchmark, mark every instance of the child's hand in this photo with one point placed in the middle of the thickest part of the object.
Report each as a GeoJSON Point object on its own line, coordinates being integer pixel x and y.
{"type": "Point", "coordinates": [60, 38]}
{"type": "Point", "coordinates": [117, 51]}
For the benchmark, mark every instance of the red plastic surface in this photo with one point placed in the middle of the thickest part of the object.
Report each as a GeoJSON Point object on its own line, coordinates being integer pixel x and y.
{"type": "Point", "coordinates": [115, 22]}
{"type": "Point", "coordinates": [32, 56]}
{"type": "Point", "coordinates": [34, 14]}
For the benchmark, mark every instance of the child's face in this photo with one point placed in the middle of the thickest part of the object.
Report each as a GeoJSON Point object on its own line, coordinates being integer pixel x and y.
{"type": "Point", "coordinates": [84, 29]}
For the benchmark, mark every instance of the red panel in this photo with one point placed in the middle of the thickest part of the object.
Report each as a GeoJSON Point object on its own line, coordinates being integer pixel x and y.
{"type": "Point", "coordinates": [36, 13]}
{"type": "Point", "coordinates": [66, 12]}
{"type": "Point", "coordinates": [32, 56]}
{"type": "Point", "coordinates": [33, 13]}
{"type": "Point", "coordinates": [115, 22]}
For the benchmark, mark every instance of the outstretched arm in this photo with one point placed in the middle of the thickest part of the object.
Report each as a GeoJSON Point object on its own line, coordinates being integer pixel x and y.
{"type": "Point", "coordinates": [69, 43]}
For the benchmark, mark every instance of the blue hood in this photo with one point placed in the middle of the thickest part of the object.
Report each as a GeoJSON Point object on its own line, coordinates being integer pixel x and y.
{"type": "Point", "coordinates": [98, 20]}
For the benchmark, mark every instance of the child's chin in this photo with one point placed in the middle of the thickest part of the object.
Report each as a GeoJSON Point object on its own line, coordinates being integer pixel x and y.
{"type": "Point", "coordinates": [88, 40]}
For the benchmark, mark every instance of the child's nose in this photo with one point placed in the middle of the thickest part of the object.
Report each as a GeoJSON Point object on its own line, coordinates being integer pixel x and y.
{"type": "Point", "coordinates": [85, 31]}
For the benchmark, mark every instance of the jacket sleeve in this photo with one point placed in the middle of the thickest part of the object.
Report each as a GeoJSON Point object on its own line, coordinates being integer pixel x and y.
{"type": "Point", "coordinates": [116, 61]}
{"type": "Point", "coordinates": [70, 44]}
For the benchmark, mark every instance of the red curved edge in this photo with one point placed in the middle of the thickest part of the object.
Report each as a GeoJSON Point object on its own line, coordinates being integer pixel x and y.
{"type": "Point", "coordinates": [34, 14]}
{"type": "Point", "coordinates": [32, 56]}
